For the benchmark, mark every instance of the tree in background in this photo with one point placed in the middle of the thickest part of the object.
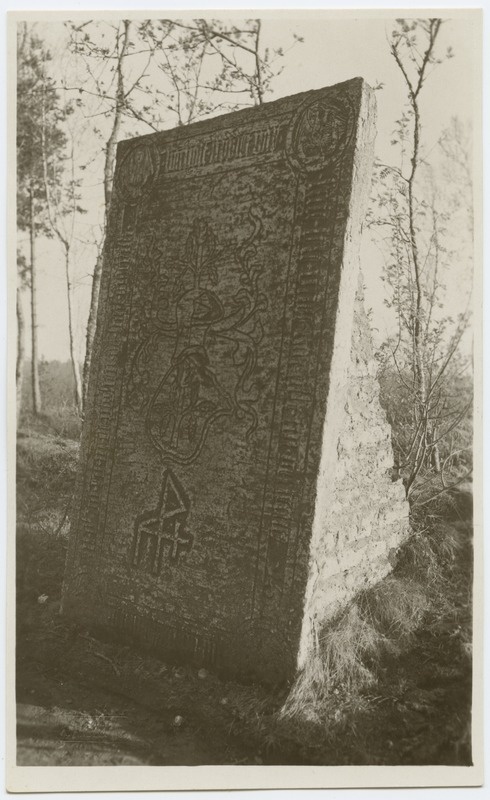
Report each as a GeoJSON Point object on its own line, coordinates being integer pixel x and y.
{"type": "Point", "coordinates": [35, 104]}
{"type": "Point", "coordinates": [46, 177]}
{"type": "Point", "coordinates": [22, 283]}
{"type": "Point", "coordinates": [413, 216]}
{"type": "Point", "coordinates": [62, 193]}
{"type": "Point", "coordinates": [209, 65]}
{"type": "Point", "coordinates": [135, 77]}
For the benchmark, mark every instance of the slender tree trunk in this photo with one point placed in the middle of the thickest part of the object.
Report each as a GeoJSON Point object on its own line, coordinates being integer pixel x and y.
{"type": "Point", "coordinates": [110, 153]}
{"type": "Point", "coordinates": [435, 452]}
{"type": "Point", "coordinates": [73, 355]}
{"type": "Point", "coordinates": [426, 450]}
{"type": "Point", "coordinates": [36, 392]}
{"type": "Point", "coordinates": [258, 66]}
{"type": "Point", "coordinates": [21, 351]}
{"type": "Point", "coordinates": [418, 315]}
{"type": "Point", "coordinates": [92, 323]}
{"type": "Point", "coordinates": [419, 338]}
{"type": "Point", "coordinates": [110, 158]}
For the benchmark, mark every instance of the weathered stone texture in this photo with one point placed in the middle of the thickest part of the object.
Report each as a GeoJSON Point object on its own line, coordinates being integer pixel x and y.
{"type": "Point", "coordinates": [217, 391]}
{"type": "Point", "coordinates": [365, 516]}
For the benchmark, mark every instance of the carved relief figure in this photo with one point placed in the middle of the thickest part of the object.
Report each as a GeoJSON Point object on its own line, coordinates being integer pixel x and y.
{"type": "Point", "coordinates": [214, 353]}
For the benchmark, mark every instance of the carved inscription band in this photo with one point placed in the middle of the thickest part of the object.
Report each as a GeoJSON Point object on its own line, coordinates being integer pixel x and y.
{"type": "Point", "coordinates": [317, 136]}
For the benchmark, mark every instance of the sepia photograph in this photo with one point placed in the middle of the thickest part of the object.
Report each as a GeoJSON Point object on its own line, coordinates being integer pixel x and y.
{"type": "Point", "coordinates": [245, 425]}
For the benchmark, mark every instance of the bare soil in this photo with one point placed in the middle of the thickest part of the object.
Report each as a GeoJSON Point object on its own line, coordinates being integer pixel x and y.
{"type": "Point", "coordinates": [93, 702]}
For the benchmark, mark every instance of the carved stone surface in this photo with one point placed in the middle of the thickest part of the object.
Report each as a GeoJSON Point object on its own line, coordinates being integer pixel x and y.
{"type": "Point", "coordinates": [221, 354]}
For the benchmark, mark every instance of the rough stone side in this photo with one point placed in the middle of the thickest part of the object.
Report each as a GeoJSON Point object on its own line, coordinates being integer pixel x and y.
{"type": "Point", "coordinates": [366, 513]}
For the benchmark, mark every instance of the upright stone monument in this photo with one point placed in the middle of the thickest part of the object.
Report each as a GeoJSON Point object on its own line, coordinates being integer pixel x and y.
{"type": "Point", "coordinates": [233, 488]}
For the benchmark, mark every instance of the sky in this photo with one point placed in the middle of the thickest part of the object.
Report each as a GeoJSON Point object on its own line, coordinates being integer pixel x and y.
{"type": "Point", "coordinates": [334, 49]}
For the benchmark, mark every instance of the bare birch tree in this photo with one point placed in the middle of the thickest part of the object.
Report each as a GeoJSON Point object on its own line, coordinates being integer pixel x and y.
{"type": "Point", "coordinates": [409, 209]}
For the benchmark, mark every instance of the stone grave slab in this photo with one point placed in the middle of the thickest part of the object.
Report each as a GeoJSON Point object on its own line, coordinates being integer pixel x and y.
{"type": "Point", "coordinates": [210, 523]}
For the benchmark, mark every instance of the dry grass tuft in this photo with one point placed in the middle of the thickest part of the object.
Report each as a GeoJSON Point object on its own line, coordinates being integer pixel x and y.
{"type": "Point", "coordinates": [396, 606]}
{"type": "Point", "coordinates": [350, 650]}
{"type": "Point", "coordinates": [346, 658]}
{"type": "Point", "coordinates": [308, 693]}
{"type": "Point", "coordinates": [448, 540]}
{"type": "Point", "coordinates": [417, 558]}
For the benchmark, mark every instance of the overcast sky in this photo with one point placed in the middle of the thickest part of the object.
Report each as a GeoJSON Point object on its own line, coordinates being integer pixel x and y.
{"type": "Point", "coordinates": [334, 49]}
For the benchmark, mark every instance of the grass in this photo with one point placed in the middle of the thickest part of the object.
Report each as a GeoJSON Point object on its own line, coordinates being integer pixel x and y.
{"type": "Point", "coordinates": [60, 421]}
{"type": "Point", "coordinates": [46, 470]}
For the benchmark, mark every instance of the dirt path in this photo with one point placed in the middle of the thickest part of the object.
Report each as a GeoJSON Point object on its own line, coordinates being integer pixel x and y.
{"type": "Point", "coordinates": [76, 706]}
{"type": "Point", "coordinates": [61, 722]}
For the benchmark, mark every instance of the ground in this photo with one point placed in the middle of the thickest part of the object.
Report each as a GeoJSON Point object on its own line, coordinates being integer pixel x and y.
{"type": "Point", "coordinates": [87, 701]}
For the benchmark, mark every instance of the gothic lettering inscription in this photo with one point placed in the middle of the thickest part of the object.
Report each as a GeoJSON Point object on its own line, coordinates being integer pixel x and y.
{"type": "Point", "coordinates": [222, 147]}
